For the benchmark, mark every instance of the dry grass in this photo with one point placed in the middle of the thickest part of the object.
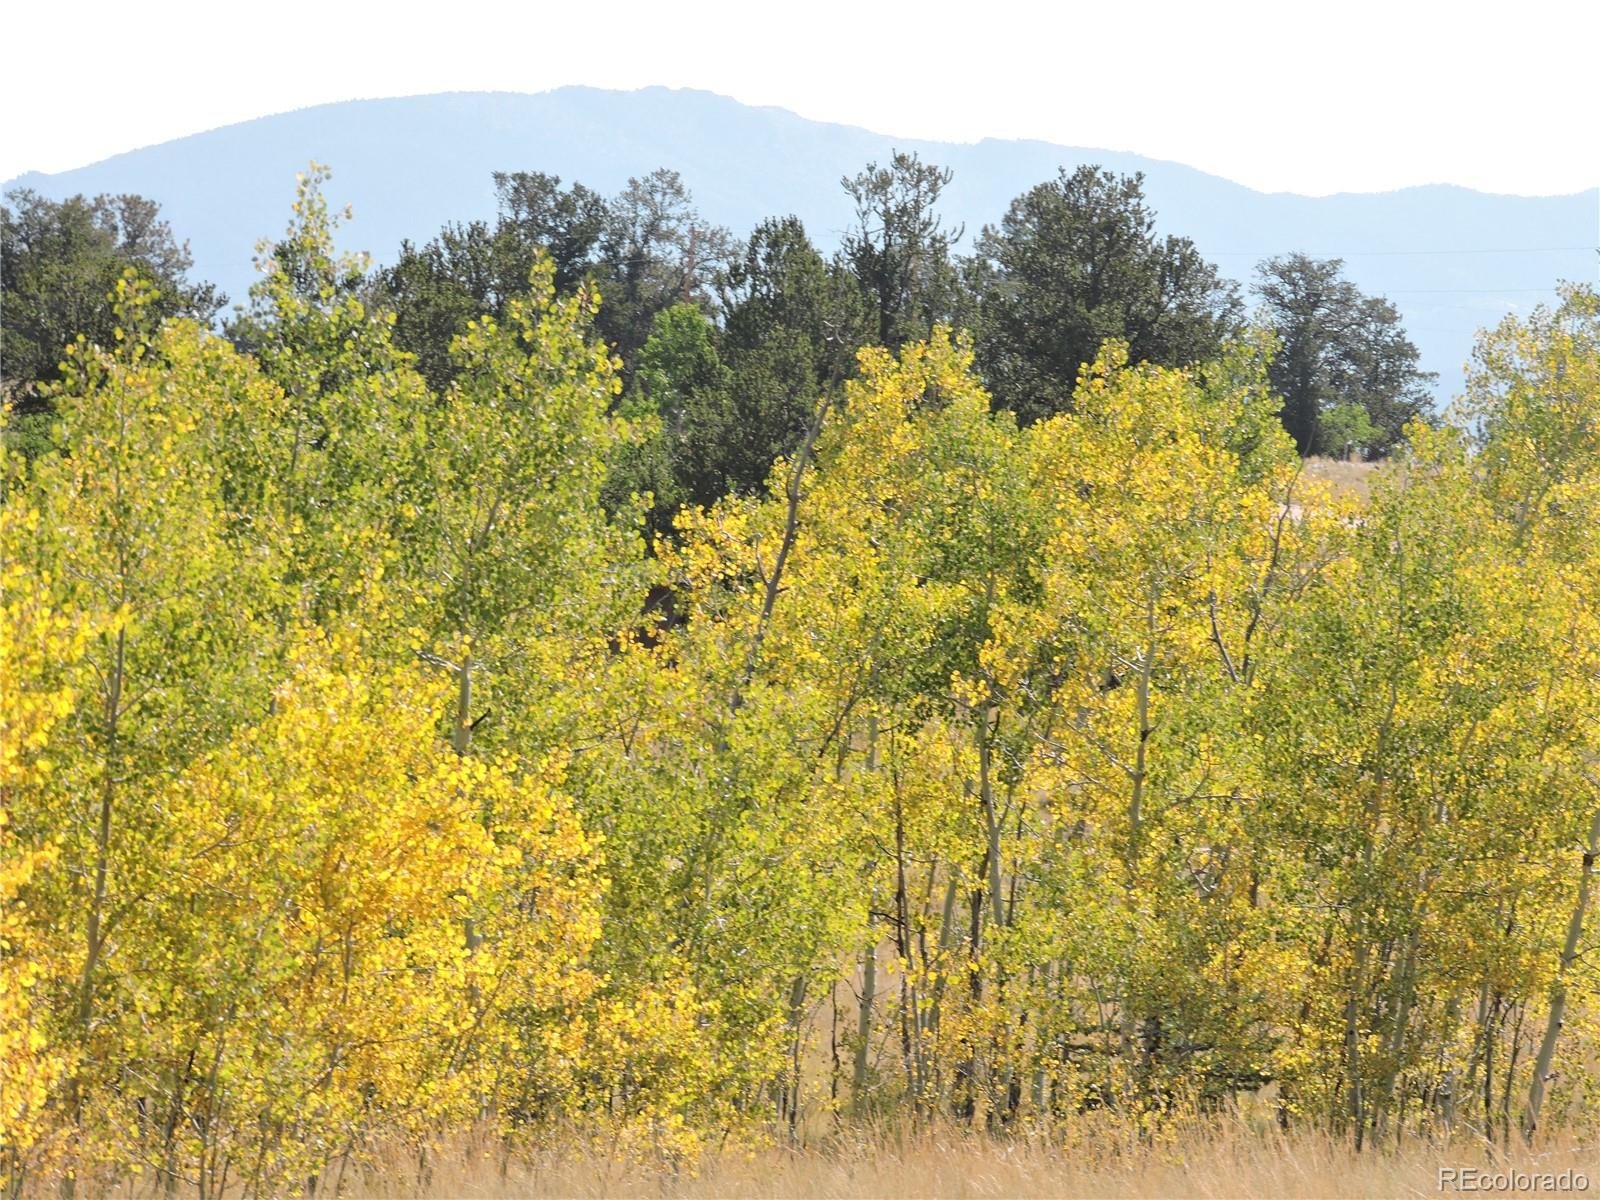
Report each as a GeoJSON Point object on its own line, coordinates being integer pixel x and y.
{"type": "Point", "coordinates": [1343, 478]}
{"type": "Point", "coordinates": [1229, 1161]}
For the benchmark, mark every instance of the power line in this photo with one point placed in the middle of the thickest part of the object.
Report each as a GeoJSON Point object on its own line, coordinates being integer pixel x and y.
{"type": "Point", "coordinates": [1392, 253]}
{"type": "Point", "coordinates": [1461, 291]}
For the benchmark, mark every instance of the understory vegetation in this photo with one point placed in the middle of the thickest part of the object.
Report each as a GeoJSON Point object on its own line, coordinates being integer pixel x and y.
{"type": "Point", "coordinates": [398, 744]}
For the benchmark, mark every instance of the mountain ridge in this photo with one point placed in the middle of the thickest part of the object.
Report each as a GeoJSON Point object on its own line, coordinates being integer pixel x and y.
{"type": "Point", "coordinates": [23, 178]}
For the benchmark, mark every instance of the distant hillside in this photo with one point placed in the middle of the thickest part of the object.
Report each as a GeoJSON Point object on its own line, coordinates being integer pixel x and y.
{"type": "Point", "coordinates": [409, 165]}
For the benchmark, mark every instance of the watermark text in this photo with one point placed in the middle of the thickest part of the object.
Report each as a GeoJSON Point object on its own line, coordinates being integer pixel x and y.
{"type": "Point", "coordinates": [1484, 1179]}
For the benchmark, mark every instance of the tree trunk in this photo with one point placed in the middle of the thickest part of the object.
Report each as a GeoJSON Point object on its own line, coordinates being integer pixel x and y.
{"type": "Point", "coordinates": [461, 736]}
{"type": "Point", "coordinates": [1355, 1106]}
{"type": "Point", "coordinates": [991, 818]}
{"type": "Point", "coordinates": [869, 989]}
{"type": "Point", "coordinates": [102, 843]}
{"type": "Point", "coordinates": [94, 934]}
{"type": "Point", "coordinates": [797, 1000]}
{"type": "Point", "coordinates": [1402, 998]}
{"type": "Point", "coordinates": [1558, 988]}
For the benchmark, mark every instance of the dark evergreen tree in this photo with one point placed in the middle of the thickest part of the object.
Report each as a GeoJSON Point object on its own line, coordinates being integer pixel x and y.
{"type": "Point", "coordinates": [781, 284]}
{"type": "Point", "coordinates": [646, 249]}
{"type": "Point", "coordinates": [899, 250]}
{"type": "Point", "coordinates": [656, 251]}
{"type": "Point", "coordinates": [567, 224]}
{"type": "Point", "coordinates": [1346, 371]}
{"type": "Point", "coordinates": [1073, 262]}
{"type": "Point", "coordinates": [59, 262]}
{"type": "Point", "coordinates": [792, 323]}
{"type": "Point", "coordinates": [734, 399]}
{"type": "Point", "coordinates": [474, 269]}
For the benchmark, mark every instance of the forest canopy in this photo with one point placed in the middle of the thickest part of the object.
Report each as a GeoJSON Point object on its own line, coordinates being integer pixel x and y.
{"type": "Point", "coordinates": [1071, 263]}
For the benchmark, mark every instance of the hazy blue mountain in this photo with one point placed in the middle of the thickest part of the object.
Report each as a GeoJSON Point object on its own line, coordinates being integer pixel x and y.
{"type": "Point", "coordinates": [409, 165]}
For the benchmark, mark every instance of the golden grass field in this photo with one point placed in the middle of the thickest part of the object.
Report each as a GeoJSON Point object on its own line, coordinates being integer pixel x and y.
{"type": "Point", "coordinates": [1229, 1160]}
{"type": "Point", "coordinates": [1342, 478]}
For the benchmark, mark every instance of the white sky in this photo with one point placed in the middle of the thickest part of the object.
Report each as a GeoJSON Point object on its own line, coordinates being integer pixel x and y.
{"type": "Point", "coordinates": [1335, 95]}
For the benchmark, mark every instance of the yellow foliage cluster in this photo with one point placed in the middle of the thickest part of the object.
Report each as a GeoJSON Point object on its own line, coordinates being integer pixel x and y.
{"type": "Point", "coordinates": [39, 648]}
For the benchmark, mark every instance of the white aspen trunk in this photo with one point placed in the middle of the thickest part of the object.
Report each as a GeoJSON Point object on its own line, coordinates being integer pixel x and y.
{"type": "Point", "coordinates": [869, 989]}
{"type": "Point", "coordinates": [461, 737]}
{"type": "Point", "coordinates": [1558, 988]}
